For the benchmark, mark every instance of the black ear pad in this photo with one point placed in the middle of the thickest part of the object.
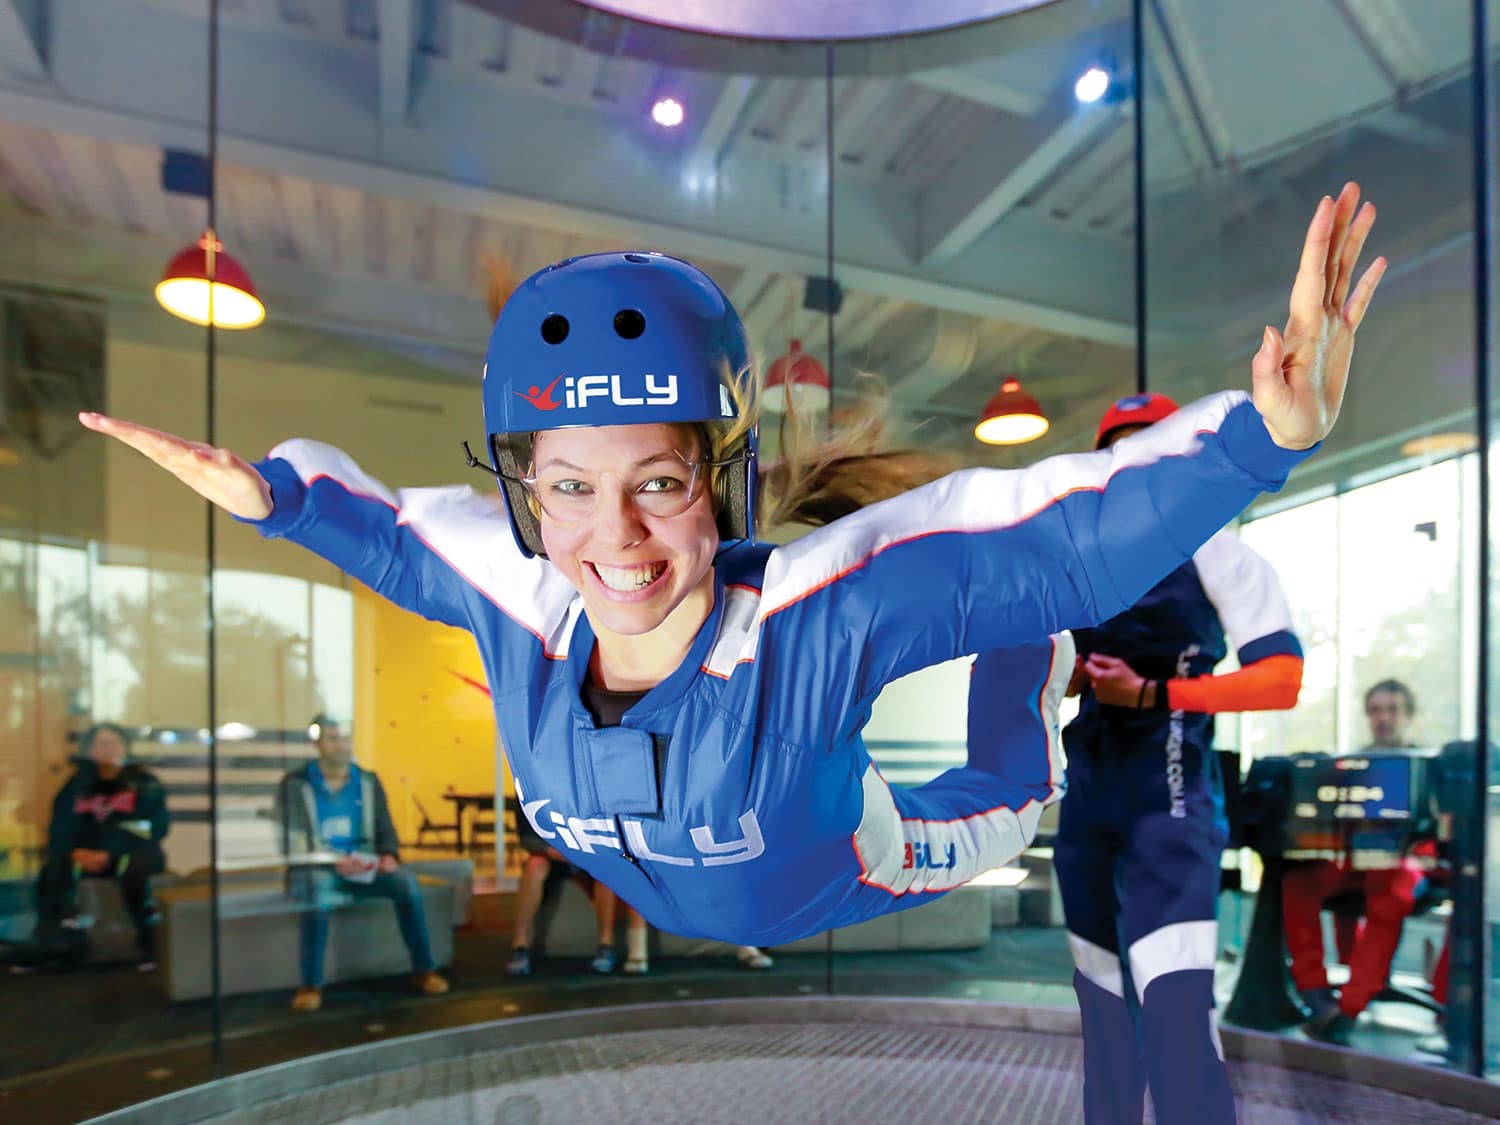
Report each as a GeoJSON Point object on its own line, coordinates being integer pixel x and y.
{"type": "Point", "coordinates": [512, 454]}
{"type": "Point", "coordinates": [731, 485]}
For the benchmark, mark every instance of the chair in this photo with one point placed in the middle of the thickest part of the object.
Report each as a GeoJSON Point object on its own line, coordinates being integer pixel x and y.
{"type": "Point", "coordinates": [430, 825]}
{"type": "Point", "coordinates": [482, 825]}
{"type": "Point", "coordinates": [1351, 907]}
{"type": "Point", "coordinates": [1231, 878]}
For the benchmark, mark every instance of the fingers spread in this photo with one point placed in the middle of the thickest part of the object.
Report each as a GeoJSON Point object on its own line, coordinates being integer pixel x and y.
{"type": "Point", "coordinates": [1354, 309]}
{"type": "Point", "coordinates": [1308, 289]}
{"type": "Point", "coordinates": [1354, 245]}
{"type": "Point", "coordinates": [1343, 214]}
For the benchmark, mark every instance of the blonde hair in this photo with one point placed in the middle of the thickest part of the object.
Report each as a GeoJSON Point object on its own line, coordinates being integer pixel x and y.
{"type": "Point", "coordinates": [818, 478]}
{"type": "Point", "coordinates": [858, 462]}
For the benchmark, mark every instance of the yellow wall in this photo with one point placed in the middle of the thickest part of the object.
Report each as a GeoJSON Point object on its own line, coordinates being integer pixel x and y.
{"type": "Point", "coordinates": [420, 721]}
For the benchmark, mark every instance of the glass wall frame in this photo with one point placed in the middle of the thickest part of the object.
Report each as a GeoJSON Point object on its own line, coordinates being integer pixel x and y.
{"type": "Point", "coordinates": [367, 164]}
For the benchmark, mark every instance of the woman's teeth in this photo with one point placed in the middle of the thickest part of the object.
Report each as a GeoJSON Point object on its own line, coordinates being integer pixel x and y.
{"type": "Point", "coordinates": [628, 579]}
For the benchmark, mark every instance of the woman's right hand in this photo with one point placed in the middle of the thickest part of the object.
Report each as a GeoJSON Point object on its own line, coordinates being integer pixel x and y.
{"type": "Point", "coordinates": [217, 475]}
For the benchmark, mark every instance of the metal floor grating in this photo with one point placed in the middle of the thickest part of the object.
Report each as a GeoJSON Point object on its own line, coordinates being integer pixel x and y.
{"type": "Point", "coordinates": [819, 1074]}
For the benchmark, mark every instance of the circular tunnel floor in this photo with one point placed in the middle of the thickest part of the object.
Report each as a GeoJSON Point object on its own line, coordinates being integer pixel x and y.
{"type": "Point", "coordinates": [823, 1073]}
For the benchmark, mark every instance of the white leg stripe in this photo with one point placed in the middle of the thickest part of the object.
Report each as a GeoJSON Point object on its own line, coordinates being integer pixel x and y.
{"type": "Point", "coordinates": [1173, 949]}
{"type": "Point", "coordinates": [916, 856]}
{"type": "Point", "coordinates": [1098, 964]}
{"type": "Point", "coordinates": [1064, 654]}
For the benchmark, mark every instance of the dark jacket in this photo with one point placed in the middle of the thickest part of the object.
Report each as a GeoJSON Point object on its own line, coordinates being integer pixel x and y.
{"type": "Point", "coordinates": [297, 813]}
{"type": "Point", "coordinates": [113, 816]}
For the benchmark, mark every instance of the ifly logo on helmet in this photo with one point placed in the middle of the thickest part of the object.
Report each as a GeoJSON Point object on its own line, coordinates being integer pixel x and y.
{"type": "Point", "coordinates": [650, 390]}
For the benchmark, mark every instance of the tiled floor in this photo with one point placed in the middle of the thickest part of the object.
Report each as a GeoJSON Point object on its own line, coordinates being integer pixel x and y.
{"type": "Point", "coordinates": [101, 1038]}
{"type": "Point", "coordinates": [825, 1073]}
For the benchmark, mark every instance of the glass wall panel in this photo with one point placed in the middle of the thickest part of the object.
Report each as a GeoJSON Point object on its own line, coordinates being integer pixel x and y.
{"type": "Point", "coordinates": [1474, 980]}
{"type": "Point", "coordinates": [298, 829]}
{"type": "Point", "coordinates": [984, 231]}
{"type": "Point", "coordinates": [103, 561]}
{"type": "Point", "coordinates": [1374, 540]}
{"type": "Point", "coordinates": [375, 171]}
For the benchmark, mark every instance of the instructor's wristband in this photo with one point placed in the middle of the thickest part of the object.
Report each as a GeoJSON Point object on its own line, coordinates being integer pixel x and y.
{"type": "Point", "coordinates": [1163, 690]}
{"type": "Point", "coordinates": [1140, 699]}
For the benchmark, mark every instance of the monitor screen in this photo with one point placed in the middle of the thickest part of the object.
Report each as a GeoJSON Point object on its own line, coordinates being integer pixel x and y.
{"type": "Point", "coordinates": [1359, 787]}
{"type": "Point", "coordinates": [1356, 809]}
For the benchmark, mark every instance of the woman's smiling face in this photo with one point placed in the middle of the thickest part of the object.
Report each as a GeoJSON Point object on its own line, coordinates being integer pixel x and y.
{"type": "Point", "coordinates": [605, 493]}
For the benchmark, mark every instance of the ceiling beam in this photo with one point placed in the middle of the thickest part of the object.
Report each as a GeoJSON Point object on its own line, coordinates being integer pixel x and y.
{"type": "Point", "coordinates": [479, 40]}
{"type": "Point", "coordinates": [748, 287]}
{"type": "Point", "coordinates": [861, 332]}
{"type": "Point", "coordinates": [23, 45]}
{"type": "Point", "coordinates": [398, 58]}
{"type": "Point", "coordinates": [448, 329]}
{"type": "Point", "coordinates": [986, 184]}
{"type": "Point", "coordinates": [765, 313]}
{"type": "Point", "coordinates": [1185, 84]}
{"type": "Point", "coordinates": [975, 83]}
{"type": "Point", "coordinates": [931, 361]}
{"type": "Point", "coordinates": [855, 113]}
{"type": "Point", "coordinates": [656, 215]}
{"type": "Point", "coordinates": [722, 124]}
{"type": "Point", "coordinates": [1402, 126]}
{"type": "Point", "coordinates": [1385, 32]}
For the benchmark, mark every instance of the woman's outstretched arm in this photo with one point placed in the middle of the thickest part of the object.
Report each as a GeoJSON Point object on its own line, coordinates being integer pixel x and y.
{"type": "Point", "coordinates": [990, 559]}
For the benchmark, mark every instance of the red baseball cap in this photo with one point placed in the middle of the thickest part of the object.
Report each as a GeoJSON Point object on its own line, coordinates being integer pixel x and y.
{"type": "Point", "coordinates": [1133, 410]}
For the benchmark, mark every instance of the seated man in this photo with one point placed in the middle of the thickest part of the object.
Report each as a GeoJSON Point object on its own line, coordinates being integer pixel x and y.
{"type": "Point", "coordinates": [1390, 895]}
{"type": "Point", "coordinates": [108, 822]}
{"type": "Point", "coordinates": [340, 845]}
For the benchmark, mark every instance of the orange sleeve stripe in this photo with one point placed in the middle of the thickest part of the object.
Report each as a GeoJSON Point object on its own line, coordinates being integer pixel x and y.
{"type": "Point", "coordinates": [1270, 684]}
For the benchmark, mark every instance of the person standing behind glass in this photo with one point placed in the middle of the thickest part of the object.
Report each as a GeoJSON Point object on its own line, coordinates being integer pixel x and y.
{"type": "Point", "coordinates": [341, 845]}
{"type": "Point", "coordinates": [108, 822]}
{"type": "Point", "coordinates": [1142, 823]}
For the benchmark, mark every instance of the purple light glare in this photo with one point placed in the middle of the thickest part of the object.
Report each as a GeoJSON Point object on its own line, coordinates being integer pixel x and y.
{"type": "Point", "coordinates": [668, 113]}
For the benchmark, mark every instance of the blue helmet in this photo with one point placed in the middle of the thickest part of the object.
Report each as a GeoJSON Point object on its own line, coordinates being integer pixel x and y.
{"type": "Point", "coordinates": [615, 339]}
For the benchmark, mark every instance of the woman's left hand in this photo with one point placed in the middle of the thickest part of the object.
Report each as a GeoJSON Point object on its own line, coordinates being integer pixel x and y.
{"type": "Point", "coordinates": [1299, 373]}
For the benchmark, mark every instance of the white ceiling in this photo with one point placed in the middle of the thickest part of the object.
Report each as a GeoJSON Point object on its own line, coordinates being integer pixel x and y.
{"type": "Point", "coordinates": [373, 152]}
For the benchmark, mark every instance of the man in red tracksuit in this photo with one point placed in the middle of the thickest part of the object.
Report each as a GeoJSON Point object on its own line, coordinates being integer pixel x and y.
{"type": "Point", "coordinates": [1390, 895]}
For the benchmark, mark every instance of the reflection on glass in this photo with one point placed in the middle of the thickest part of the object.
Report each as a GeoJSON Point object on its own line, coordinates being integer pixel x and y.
{"type": "Point", "coordinates": [377, 163]}
{"type": "Point", "coordinates": [1474, 1031]}
{"type": "Point", "coordinates": [381, 229]}
{"type": "Point", "coordinates": [1011, 322]}
{"type": "Point", "coordinates": [102, 594]}
{"type": "Point", "coordinates": [1374, 539]}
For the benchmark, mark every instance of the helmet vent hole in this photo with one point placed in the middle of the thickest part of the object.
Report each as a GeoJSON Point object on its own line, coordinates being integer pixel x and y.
{"type": "Point", "coordinates": [629, 324]}
{"type": "Point", "coordinates": [638, 259]}
{"type": "Point", "coordinates": [555, 329]}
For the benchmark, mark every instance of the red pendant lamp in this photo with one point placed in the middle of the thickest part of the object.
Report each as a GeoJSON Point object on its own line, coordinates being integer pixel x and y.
{"type": "Point", "coordinates": [1012, 417]}
{"type": "Point", "coordinates": [797, 377]}
{"type": "Point", "coordinates": [203, 281]}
